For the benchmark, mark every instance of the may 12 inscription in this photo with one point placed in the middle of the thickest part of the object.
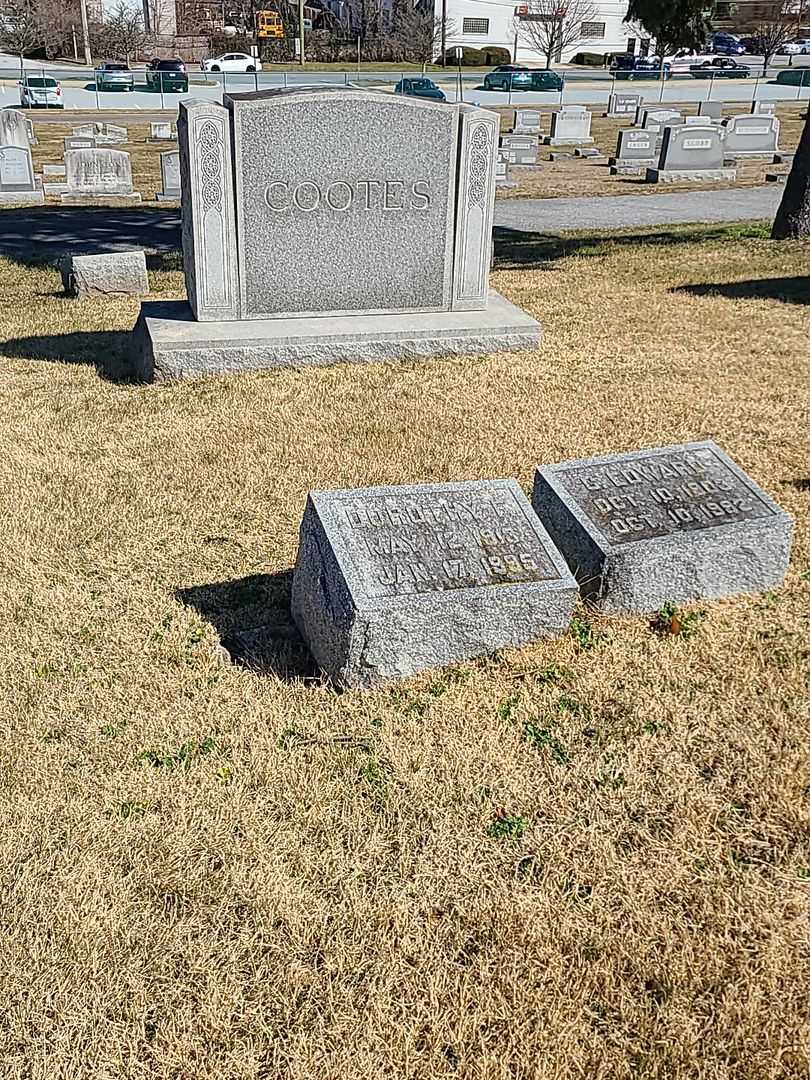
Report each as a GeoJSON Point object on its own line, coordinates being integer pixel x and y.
{"type": "Point", "coordinates": [453, 538]}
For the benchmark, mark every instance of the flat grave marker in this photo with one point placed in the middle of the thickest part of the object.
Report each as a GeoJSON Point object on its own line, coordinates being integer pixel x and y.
{"type": "Point", "coordinates": [392, 580]}
{"type": "Point", "coordinates": [674, 523]}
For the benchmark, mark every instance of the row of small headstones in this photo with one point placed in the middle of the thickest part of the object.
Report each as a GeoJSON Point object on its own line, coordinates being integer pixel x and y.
{"type": "Point", "coordinates": [392, 580]}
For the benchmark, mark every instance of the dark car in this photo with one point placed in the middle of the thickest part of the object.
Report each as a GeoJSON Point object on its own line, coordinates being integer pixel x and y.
{"type": "Point", "coordinates": [722, 68]}
{"type": "Point", "coordinates": [112, 75]}
{"type": "Point", "coordinates": [639, 67]}
{"type": "Point", "coordinates": [754, 45]}
{"type": "Point", "coordinates": [422, 88]}
{"type": "Point", "coordinates": [167, 75]}
{"type": "Point", "coordinates": [726, 45]}
{"type": "Point", "coordinates": [799, 76]}
{"type": "Point", "coordinates": [516, 77]}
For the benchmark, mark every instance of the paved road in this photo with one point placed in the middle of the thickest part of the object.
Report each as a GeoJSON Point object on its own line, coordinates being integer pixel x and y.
{"type": "Point", "coordinates": [51, 231]}
{"type": "Point", "coordinates": [627, 211]}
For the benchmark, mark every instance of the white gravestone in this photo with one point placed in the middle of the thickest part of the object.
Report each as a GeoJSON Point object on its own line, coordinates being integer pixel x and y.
{"type": "Point", "coordinates": [527, 122]}
{"type": "Point", "coordinates": [17, 183]}
{"type": "Point", "coordinates": [570, 126]}
{"type": "Point", "coordinates": [170, 174]}
{"type": "Point", "coordinates": [97, 173]}
{"type": "Point", "coordinates": [751, 135]}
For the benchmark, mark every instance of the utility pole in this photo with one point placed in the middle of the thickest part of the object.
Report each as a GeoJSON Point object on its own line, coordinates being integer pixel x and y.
{"type": "Point", "coordinates": [301, 31]}
{"type": "Point", "coordinates": [88, 59]}
{"type": "Point", "coordinates": [444, 33]}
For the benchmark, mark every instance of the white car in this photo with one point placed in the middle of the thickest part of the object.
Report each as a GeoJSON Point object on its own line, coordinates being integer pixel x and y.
{"type": "Point", "coordinates": [232, 61]}
{"type": "Point", "coordinates": [40, 92]}
{"type": "Point", "coordinates": [681, 62]}
{"type": "Point", "coordinates": [800, 46]}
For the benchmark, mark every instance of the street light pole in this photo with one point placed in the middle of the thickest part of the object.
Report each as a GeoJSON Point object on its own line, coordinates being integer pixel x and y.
{"type": "Point", "coordinates": [88, 59]}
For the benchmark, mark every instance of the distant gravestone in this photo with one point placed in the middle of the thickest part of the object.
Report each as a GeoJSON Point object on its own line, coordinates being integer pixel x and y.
{"type": "Point", "coordinates": [763, 108]}
{"type": "Point", "coordinates": [17, 182]}
{"type": "Point", "coordinates": [98, 173]}
{"type": "Point", "coordinates": [392, 580]}
{"type": "Point", "coordinates": [713, 109]}
{"type": "Point", "coordinates": [32, 138]}
{"type": "Point", "coordinates": [635, 151]}
{"type": "Point", "coordinates": [120, 273]}
{"type": "Point", "coordinates": [751, 135]}
{"type": "Point", "coordinates": [79, 142]}
{"type": "Point", "coordinates": [311, 236]}
{"type": "Point", "coordinates": [676, 523]}
{"type": "Point", "coordinates": [691, 152]}
{"type": "Point", "coordinates": [519, 149]}
{"type": "Point", "coordinates": [160, 131]}
{"type": "Point", "coordinates": [527, 122]}
{"type": "Point", "coordinates": [570, 126]}
{"type": "Point", "coordinates": [14, 129]}
{"type": "Point", "coordinates": [502, 177]}
{"type": "Point", "coordinates": [111, 134]}
{"type": "Point", "coordinates": [623, 105]}
{"type": "Point", "coordinates": [53, 170]}
{"type": "Point", "coordinates": [85, 131]}
{"type": "Point", "coordinates": [170, 175]}
{"type": "Point", "coordinates": [656, 119]}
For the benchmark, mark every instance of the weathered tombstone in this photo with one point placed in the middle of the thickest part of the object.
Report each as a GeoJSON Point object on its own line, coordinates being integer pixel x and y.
{"type": "Point", "coordinates": [53, 170]}
{"type": "Point", "coordinates": [519, 149]}
{"type": "Point", "coordinates": [711, 108]}
{"type": "Point", "coordinates": [392, 580]}
{"type": "Point", "coordinates": [691, 152]}
{"type": "Point", "coordinates": [674, 523]}
{"type": "Point", "coordinates": [623, 105]}
{"type": "Point", "coordinates": [570, 126]}
{"type": "Point", "coordinates": [656, 119]}
{"type": "Point", "coordinates": [160, 131]}
{"type": "Point", "coordinates": [111, 134]}
{"type": "Point", "coordinates": [588, 152]}
{"type": "Point", "coordinates": [79, 142]}
{"type": "Point", "coordinates": [29, 127]}
{"type": "Point", "coordinates": [85, 131]}
{"type": "Point", "coordinates": [17, 182]}
{"type": "Point", "coordinates": [635, 151]}
{"type": "Point", "coordinates": [751, 135]}
{"type": "Point", "coordinates": [96, 174]}
{"type": "Point", "coordinates": [170, 174]}
{"type": "Point", "coordinates": [311, 236]}
{"type": "Point", "coordinates": [119, 273]}
{"type": "Point", "coordinates": [763, 108]}
{"type": "Point", "coordinates": [502, 177]}
{"type": "Point", "coordinates": [14, 129]}
{"type": "Point", "coordinates": [527, 122]}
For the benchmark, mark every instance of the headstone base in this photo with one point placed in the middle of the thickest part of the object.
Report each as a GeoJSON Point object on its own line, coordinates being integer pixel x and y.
{"type": "Point", "coordinates": [683, 176]}
{"type": "Point", "coordinates": [75, 199]}
{"type": "Point", "coordinates": [551, 140]}
{"type": "Point", "coordinates": [588, 152]}
{"type": "Point", "coordinates": [55, 189]}
{"type": "Point", "coordinates": [631, 168]}
{"type": "Point", "coordinates": [168, 343]}
{"type": "Point", "coordinates": [161, 196]}
{"type": "Point", "coordinates": [22, 198]}
{"type": "Point", "coordinates": [775, 178]}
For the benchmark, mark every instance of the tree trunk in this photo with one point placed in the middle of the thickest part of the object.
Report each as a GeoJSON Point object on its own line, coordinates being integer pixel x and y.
{"type": "Point", "coordinates": [792, 219]}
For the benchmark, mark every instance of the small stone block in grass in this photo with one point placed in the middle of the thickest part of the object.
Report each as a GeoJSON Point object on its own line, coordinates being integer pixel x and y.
{"type": "Point", "coordinates": [120, 273]}
{"type": "Point", "coordinates": [673, 523]}
{"type": "Point", "coordinates": [393, 580]}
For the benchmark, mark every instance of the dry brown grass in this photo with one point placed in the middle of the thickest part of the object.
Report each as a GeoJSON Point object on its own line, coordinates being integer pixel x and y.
{"type": "Point", "coordinates": [310, 888]}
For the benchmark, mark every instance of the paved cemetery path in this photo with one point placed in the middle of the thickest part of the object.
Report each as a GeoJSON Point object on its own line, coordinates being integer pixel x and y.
{"type": "Point", "coordinates": [48, 232]}
{"type": "Point", "coordinates": [629, 211]}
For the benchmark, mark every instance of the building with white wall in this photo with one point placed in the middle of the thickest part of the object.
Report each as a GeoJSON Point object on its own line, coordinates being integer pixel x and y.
{"type": "Point", "coordinates": [486, 23]}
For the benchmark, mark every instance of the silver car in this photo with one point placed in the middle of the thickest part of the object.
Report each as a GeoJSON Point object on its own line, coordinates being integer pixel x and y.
{"type": "Point", "coordinates": [113, 75]}
{"type": "Point", "coordinates": [40, 91]}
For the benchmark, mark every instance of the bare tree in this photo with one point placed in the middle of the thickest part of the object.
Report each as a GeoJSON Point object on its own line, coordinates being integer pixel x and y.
{"type": "Point", "coordinates": [551, 26]}
{"type": "Point", "coordinates": [773, 32]}
{"type": "Point", "coordinates": [124, 33]}
{"type": "Point", "coordinates": [414, 33]}
{"type": "Point", "coordinates": [21, 28]}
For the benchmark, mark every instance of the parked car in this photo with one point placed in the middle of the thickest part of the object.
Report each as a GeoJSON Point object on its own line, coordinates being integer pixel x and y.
{"type": "Point", "coordinates": [800, 46]}
{"type": "Point", "coordinates": [167, 75]}
{"type": "Point", "coordinates": [112, 75]}
{"type": "Point", "coordinates": [234, 61]}
{"type": "Point", "coordinates": [40, 92]}
{"type": "Point", "coordinates": [421, 88]}
{"type": "Point", "coordinates": [682, 62]}
{"type": "Point", "coordinates": [515, 77]}
{"type": "Point", "coordinates": [639, 67]}
{"type": "Point", "coordinates": [798, 76]}
{"type": "Point", "coordinates": [727, 45]}
{"type": "Point", "coordinates": [754, 45]}
{"type": "Point", "coordinates": [723, 68]}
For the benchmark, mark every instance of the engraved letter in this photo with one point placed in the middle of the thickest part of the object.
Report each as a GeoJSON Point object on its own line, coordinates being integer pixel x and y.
{"type": "Point", "coordinates": [349, 195]}
{"type": "Point", "coordinates": [316, 196]}
{"type": "Point", "coordinates": [391, 193]}
{"type": "Point", "coordinates": [420, 191]}
{"type": "Point", "coordinates": [268, 196]}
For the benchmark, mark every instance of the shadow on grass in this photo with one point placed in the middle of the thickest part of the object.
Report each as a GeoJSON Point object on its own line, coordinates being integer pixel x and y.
{"type": "Point", "coordinates": [253, 620]}
{"type": "Point", "coordinates": [800, 483]}
{"type": "Point", "coordinates": [515, 249]}
{"type": "Point", "coordinates": [106, 350]}
{"type": "Point", "coordinates": [789, 290]}
{"type": "Point", "coordinates": [37, 236]}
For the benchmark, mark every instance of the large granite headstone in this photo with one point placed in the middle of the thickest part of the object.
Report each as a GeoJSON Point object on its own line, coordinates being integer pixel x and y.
{"type": "Point", "coordinates": [392, 580]}
{"type": "Point", "coordinates": [656, 119]}
{"type": "Point", "coordinates": [751, 135]}
{"type": "Point", "coordinates": [713, 109]}
{"type": "Point", "coordinates": [311, 234]}
{"type": "Point", "coordinates": [527, 122]}
{"type": "Point", "coordinates": [691, 152]}
{"type": "Point", "coordinates": [674, 523]}
{"type": "Point", "coordinates": [170, 175]}
{"type": "Point", "coordinates": [570, 126]}
{"type": "Point", "coordinates": [623, 105]}
{"type": "Point", "coordinates": [94, 174]}
{"type": "Point", "coordinates": [635, 151]}
{"type": "Point", "coordinates": [17, 182]}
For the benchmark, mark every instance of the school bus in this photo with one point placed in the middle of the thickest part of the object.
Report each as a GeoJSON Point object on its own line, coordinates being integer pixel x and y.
{"type": "Point", "coordinates": [269, 25]}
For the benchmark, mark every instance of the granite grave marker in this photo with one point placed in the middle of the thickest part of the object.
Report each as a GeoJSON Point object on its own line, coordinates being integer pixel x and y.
{"type": "Point", "coordinates": [170, 176]}
{"type": "Point", "coordinates": [714, 109]}
{"type": "Point", "coordinates": [751, 135]}
{"type": "Point", "coordinates": [97, 173]}
{"type": "Point", "coordinates": [392, 580]}
{"type": "Point", "coordinates": [527, 122]}
{"type": "Point", "coordinates": [623, 105]}
{"type": "Point", "coordinates": [519, 149]}
{"type": "Point", "coordinates": [673, 523]}
{"type": "Point", "coordinates": [17, 182]}
{"type": "Point", "coordinates": [570, 126]}
{"type": "Point", "coordinates": [691, 152]}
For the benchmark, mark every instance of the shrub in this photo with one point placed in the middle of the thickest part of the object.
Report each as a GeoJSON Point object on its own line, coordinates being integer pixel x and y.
{"type": "Point", "coordinates": [590, 59]}
{"type": "Point", "coordinates": [495, 55]}
{"type": "Point", "coordinates": [469, 57]}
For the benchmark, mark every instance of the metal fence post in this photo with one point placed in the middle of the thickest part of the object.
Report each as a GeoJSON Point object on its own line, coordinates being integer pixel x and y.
{"type": "Point", "coordinates": [162, 101]}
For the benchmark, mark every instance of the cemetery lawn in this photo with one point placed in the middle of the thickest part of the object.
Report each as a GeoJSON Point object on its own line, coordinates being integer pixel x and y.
{"type": "Point", "coordinates": [590, 857]}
